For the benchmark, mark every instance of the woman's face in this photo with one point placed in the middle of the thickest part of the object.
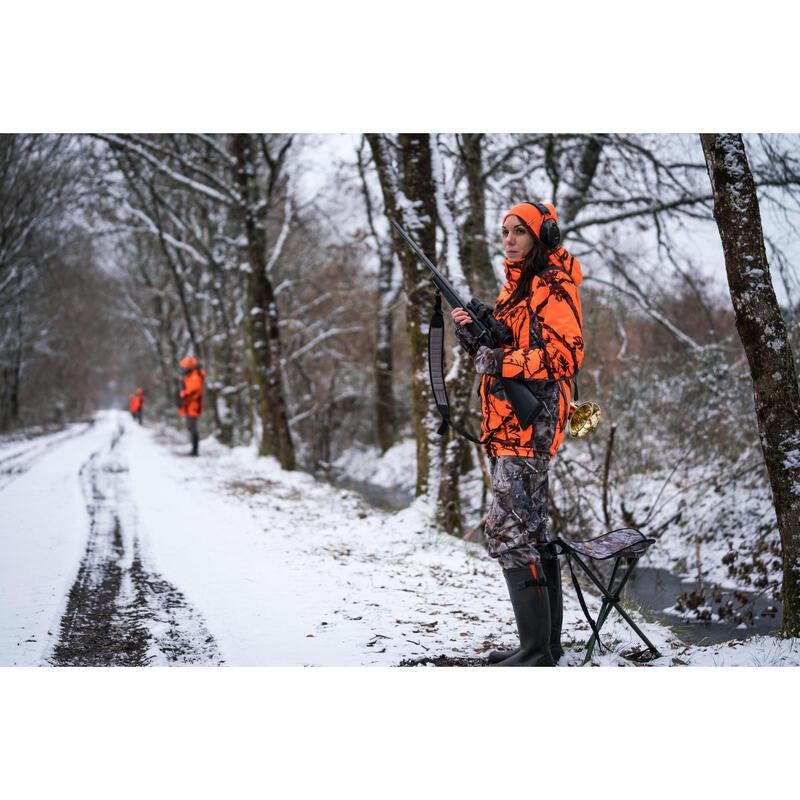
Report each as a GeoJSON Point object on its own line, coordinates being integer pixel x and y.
{"type": "Point", "coordinates": [517, 241]}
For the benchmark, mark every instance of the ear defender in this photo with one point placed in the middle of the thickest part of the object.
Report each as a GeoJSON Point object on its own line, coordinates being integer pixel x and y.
{"type": "Point", "coordinates": [549, 233]}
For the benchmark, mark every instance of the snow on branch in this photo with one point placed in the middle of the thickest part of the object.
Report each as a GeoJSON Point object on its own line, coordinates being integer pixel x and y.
{"type": "Point", "coordinates": [162, 167]}
{"type": "Point", "coordinates": [348, 395]}
{"type": "Point", "coordinates": [276, 251]}
{"type": "Point", "coordinates": [321, 338]}
{"type": "Point", "coordinates": [679, 334]}
{"type": "Point", "coordinates": [452, 258]}
{"type": "Point", "coordinates": [176, 243]}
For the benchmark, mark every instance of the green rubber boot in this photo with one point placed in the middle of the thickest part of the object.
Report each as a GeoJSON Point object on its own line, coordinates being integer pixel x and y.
{"type": "Point", "coordinates": [531, 605]}
{"type": "Point", "coordinates": [552, 574]}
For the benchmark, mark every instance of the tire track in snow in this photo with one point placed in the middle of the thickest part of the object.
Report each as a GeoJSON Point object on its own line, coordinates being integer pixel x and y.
{"type": "Point", "coordinates": [119, 613]}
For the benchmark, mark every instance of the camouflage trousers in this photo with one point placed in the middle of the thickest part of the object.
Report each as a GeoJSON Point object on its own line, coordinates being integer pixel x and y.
{"type": "Point", "coordinates": [516, 528]}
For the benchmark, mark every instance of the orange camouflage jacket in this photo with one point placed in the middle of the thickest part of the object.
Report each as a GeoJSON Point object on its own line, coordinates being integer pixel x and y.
{"type": "Point", "coordinates": [192, 393]}
{"type": "Point", "coordinates": [547, 350]}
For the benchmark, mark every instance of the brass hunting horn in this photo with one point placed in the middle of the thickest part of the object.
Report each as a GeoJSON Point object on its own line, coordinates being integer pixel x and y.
{"type": "Point", "coordinates": [583, 418]}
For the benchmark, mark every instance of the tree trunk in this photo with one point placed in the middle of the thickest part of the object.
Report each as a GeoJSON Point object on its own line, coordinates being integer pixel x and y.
{"type": "Point", "coordinates": [419, 191]}
{"type": "Point", "coordinates": [763, 334]}
{"type": "Point", "coordinates": [575, 198]}
{"type": "Point", "coordinates": [474, 248]}
{"type": "Point", "coordinates": [262, 316]}
{"type": "Point", "coordinates": [475, 264]}
{"type": "Point", "coordinates": [12, 371]}
{"type": "Point", "coordinates": [457, 459]}
{"type": "Point", "coordinates": [385, 413]}
{"type": "Point", "coordinates": [383, 367]}
{"type": "Point", "coordinates": [412, 201]}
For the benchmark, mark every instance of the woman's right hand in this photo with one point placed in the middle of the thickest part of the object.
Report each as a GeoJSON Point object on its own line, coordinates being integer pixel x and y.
{"type": "Point", "coordinates": [460, 317]}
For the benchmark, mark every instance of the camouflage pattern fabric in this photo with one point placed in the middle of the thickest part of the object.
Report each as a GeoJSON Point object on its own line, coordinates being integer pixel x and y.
{"type": "Point", "coordinates": [517, 525]}
{"type": "Point", "coordinates": [506, 436]}
{"type": "Point", "coordinates": [626, 542]}
{"type": "Point", "coordinates": [488, 361]}
{"type": "Point", "coordinates": [547, 351]}
{"type": "Point", "coordinates": [465, 340]}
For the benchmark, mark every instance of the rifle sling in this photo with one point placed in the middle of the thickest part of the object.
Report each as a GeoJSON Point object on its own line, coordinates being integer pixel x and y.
{"type": "Point", "coordinates": [436, 372]}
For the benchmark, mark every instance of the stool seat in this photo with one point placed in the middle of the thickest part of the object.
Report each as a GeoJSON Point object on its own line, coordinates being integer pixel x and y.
{"type": "Point", "coordinates": [623, 542]}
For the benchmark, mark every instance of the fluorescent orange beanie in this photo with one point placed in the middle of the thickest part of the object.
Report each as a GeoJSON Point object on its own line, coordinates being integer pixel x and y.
{"type": "Point", "coordinates": [531, 215]}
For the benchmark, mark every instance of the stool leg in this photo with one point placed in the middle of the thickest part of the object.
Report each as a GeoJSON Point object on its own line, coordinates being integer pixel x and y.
{"type": "Point", "coordinates": [616, 595]}
{"type": "Point", "coordinates": [635, 628]}
{"type": "Point", "coordinates": [595, 639]}
{"type": "Point", "coordinates": [552, 573]}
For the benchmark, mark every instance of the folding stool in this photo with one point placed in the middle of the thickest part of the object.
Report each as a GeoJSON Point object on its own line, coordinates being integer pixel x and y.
{"type": "Point", "coordinates": [623, 543]}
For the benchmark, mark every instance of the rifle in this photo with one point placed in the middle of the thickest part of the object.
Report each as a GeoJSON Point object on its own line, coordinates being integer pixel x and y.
{"type": "Point", "coordinates": [485, 330]}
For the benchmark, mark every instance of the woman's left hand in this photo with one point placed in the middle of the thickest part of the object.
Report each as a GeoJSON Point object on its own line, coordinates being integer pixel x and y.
{"type": "Point", "coordinates": [489, 361]}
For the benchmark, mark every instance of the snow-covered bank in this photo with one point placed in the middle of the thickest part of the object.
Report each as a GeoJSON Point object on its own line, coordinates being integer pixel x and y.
{"type": "Point", "coordinates": [284, 569]}
{"type": "Point", "coordinates": [288, 570]}
{"type": "Point", "coordinates": [396, 468]}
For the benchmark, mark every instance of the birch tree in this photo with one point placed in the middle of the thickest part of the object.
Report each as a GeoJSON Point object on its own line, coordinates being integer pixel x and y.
{"type": "Point", "coordinates": [461, 377]}
{"type": "Point", "coordinates": [761, 328]}
{"type": "Point", "coordinates": [409, 196]}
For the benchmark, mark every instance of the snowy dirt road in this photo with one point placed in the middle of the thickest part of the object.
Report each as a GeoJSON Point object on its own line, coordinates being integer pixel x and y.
{"type": "Point", "coordinates": [117, 549]}
{"type": "Point", "coordinates": [119, 613]}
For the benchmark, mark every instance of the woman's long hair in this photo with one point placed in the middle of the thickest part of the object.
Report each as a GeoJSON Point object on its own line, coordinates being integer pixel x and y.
{"type": "Point", "coordinates": [535, 262]}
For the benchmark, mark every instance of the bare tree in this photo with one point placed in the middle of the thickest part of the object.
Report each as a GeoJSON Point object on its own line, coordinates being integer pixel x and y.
{"type": "Point", "coordinates": [408, 195]}
{"type": "Point", "coordinates": [178, 245]}
{"type": "Point", "coordinates": [263, 310]}
{"type": "Point", "coordinates": [761, 327]}
{"type": "Point", "coordinates": [474, 249]}
{"type": "Point", "coordinates": [208, 199]}
{"type": "Point", "coordinates": [37, 184]}
{"type": "Point", "coordinates": [385, 408]}
{"type": "Point", "coordinates": [470, 240]}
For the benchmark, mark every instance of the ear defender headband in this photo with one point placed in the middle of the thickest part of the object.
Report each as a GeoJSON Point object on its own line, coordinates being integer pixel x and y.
{"type": "Point", "coordinates": [549, 233]}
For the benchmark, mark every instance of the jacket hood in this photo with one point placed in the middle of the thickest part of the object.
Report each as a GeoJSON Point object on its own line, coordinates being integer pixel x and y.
{"type": "Point", "coordinates": [559, 258]}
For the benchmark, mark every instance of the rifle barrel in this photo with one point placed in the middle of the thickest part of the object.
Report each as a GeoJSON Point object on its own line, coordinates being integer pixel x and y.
{"type": "Point", "coordinates": [442, 284]}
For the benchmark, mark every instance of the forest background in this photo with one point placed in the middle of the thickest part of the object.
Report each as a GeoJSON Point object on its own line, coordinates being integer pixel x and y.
{"type": "Point", "coordinates": [269, 258]}
{"type": "Point", "coordinates": [615, 67]}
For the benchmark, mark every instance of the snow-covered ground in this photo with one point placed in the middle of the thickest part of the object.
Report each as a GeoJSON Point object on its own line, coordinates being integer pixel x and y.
{"type": "Point", "coordinates": [279, 568]}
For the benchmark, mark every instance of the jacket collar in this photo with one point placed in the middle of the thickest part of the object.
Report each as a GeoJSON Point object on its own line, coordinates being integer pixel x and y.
{"type": "Point", "coordinates": [513, 269]}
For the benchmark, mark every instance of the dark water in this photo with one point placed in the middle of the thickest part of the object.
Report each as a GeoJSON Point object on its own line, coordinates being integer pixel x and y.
{"type": "Point", "coordinates": [651, 588]}
{"type": "Point", "coordinates": [656, 589]}
{"type": "Point", "coordinates": [391, 498]}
